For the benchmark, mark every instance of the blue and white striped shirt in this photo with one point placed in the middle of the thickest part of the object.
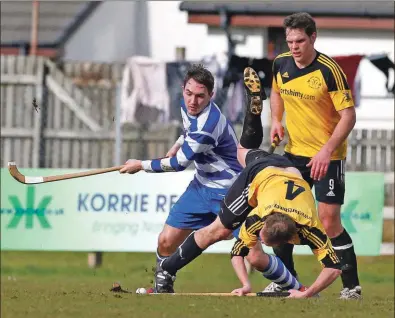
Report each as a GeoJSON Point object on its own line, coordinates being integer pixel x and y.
{"type": "Point", "coordinates": [211, 143]}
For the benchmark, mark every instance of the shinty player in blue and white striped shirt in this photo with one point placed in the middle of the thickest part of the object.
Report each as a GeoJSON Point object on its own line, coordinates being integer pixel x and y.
{"type": "Point", "coordinates": [210, 143]}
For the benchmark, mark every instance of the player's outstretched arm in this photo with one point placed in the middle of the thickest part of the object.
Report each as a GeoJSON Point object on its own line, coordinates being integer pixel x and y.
{"type": "Point", "coordinates": [331, 268]}
{"type": "Point", "coordinates": [133, 165]}
{"type": "Point", "coordinates": [324, 279]}
{"type": "Point", "coordinates": [241, 272]}
{"type": "Point", "coordinates": [239, 251]}
{"type": "Point", "coordinates": [192, 146]}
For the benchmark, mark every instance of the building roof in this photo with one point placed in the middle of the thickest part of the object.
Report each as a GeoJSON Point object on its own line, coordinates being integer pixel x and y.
{"type": "Point", "coordinates": [368, 9]}
{"type": "Point", "coordinates": [57, 20]}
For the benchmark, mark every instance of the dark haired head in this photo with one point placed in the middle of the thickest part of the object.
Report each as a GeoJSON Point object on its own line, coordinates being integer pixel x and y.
{"type": "Point", "coordinates": [201, 75]}
{"type": "Point", "coordinates": [279, 228]}
{"type": "Point", "coordinates": [301, 20]}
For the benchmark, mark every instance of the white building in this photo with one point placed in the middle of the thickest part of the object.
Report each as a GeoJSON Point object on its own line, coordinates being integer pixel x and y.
{"type": "Point", "coordinates": [111, 31]}
{"type": "Point", "coordinates": [119, 29]}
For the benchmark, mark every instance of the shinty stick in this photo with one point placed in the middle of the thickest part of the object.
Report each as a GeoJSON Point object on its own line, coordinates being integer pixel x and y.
{"type": "Point", "coordinates": [35, 180]}
{"type": "Point", "coordinates": [259, 294]}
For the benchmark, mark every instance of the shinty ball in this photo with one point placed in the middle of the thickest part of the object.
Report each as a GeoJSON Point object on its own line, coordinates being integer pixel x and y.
{"type": "Point", "coordinates": [141, 290]}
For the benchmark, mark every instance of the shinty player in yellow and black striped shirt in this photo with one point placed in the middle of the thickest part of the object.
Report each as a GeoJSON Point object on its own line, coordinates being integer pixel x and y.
{"type": "Point", "coordinates": [274, 204]}
{"type": "Point", "coordinates": [312, 90]}
{"type": "Point", "coordinates": [272, 192]}
{"type": "Point", "coordinates": [282, 202]}
{"type": "Point", "coordinates": [313, 97]}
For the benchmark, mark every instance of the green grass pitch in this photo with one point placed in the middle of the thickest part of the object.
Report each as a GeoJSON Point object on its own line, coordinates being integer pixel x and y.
{"type": "Point", "coordinates": [59, 284]}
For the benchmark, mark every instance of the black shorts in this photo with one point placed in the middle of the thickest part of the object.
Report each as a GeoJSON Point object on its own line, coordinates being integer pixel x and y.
{"type": "Point", "coordinates": [235, 207]}
{"type": "Point", "coordinates": [331, 188]}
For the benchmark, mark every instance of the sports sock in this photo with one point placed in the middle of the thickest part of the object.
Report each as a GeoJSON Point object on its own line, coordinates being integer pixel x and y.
{"type": "Point", "coordinates": [284, 253]}
{"type": "Point", "coordinates": [278, 273]}
{"type": "Point", "coordinates": [344, 249]}
{"type": "Point", "coordinates": [185, 254]}
{"type": "Point", "coordinates": [252, 134]}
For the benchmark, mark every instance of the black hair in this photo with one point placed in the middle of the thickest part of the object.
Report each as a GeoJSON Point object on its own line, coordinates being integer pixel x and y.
{"type": "Point", "coordinates": [300, 20]}
{"type": "Point", "coordinates": [201, 75]}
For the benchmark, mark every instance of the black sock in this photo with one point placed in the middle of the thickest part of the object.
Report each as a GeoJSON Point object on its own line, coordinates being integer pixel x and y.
{"type": "Point", "coordinates": [252, 134]}
{"type": "Point", "coordinates": [344, 249]}
{"type": "Point", "coordinates": [284, 252]}
{"type": "Point", "coordinates": [185, 254]}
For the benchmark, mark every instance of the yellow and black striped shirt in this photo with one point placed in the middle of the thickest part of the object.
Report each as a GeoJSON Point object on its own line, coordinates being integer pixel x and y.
{"type": "Point", "coordinates": [274, 190]}
{"type": "Point", "coordinates": [312, 98]}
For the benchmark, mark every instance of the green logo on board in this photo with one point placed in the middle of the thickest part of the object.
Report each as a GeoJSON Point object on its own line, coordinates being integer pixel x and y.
{"type": "Point", "coordinates": [29, 212]}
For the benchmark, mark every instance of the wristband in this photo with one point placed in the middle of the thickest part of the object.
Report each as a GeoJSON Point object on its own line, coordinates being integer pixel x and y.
{"type": "Point", "coordinates": [180, 140]}
{"type": "Point", "coordinates": [146, 164]}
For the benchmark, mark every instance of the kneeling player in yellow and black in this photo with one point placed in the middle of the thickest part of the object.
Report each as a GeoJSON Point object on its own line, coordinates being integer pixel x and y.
{"type": "Point", "coordinates": [284, 212]}
{"type": "Point", "coordinates": [269, 199]}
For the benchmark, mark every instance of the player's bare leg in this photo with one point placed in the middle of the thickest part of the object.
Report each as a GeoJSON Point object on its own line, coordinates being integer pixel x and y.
{"type": "Point", "coordinates": [168, 241]}
{"type": "Point", "coordinates": [344, 248]}
{"type": "Point", "coordinates": [193, 246]}
{"type": "Point", "coordinates": [211, 234]}
{"type": "Point", "coordinates": [186, 252]}
{"type": "Point", "coordinates": [271, 267]}
{"type": "Point", "coordinates": [170, 238]}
